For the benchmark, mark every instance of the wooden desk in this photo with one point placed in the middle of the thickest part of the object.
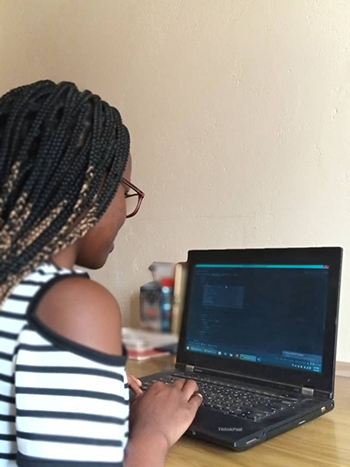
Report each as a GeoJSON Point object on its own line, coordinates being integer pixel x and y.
{"type": "Point", "coordinates": [323, 442]}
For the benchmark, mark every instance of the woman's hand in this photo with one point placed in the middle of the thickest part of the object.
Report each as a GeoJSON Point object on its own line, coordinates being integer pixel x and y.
{"type": "Point", "coordinates": [164, 412]}
{"type": "Point", "coordinates": [135, 384]}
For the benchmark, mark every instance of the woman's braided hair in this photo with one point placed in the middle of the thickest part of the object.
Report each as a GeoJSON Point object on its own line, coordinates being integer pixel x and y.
{"type": "Point", "coordinates": [62, 157]}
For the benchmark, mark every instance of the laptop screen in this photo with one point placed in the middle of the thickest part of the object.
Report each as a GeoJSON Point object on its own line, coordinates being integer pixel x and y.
{"type": "Point", "coordinates": [273, 314]}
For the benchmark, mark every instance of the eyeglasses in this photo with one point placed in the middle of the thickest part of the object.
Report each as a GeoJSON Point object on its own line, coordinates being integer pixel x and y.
{"type": "Point", "coordinates": [133, 205]}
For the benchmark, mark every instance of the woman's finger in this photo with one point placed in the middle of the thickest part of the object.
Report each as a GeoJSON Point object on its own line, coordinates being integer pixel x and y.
{"type": "Point", "coordinates": [135, 384]}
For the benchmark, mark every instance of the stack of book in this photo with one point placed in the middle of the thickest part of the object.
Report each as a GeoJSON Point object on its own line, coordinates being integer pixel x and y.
{"type": "Point", "coordinates": [142, 344]}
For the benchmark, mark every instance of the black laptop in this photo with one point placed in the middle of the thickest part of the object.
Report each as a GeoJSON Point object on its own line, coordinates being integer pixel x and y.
{"type": "Point", "coordinates": [259, 337]}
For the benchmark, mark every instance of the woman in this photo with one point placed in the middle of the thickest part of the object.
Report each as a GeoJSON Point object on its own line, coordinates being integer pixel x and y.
{"type": "Point", "coordinates": [65, 174]}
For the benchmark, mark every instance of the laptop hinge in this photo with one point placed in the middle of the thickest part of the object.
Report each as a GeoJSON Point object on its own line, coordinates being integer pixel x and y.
{"type": "Point", "coordinates": [308, 392]}
{"type": "Point", "coordinates": [189, 368]}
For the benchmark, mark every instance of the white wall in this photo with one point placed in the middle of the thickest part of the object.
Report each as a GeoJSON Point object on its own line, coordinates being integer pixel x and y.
{"type": "Point", "coordinates": [238, 110]}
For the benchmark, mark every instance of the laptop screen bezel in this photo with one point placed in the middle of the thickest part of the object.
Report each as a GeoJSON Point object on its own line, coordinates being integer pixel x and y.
{"type": "Point", "coordinates": [324, 381]}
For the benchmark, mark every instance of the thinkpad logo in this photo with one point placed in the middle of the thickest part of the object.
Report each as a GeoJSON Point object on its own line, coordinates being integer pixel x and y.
{"type": "Point", "coordinates": [230, 428]}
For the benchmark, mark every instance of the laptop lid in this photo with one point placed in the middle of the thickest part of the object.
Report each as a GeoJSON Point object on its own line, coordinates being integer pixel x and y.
{"type": "Point", "coordinates": [266, 314]}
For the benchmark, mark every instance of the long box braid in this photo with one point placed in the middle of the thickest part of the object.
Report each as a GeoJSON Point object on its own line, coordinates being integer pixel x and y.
{"type": "Point", "coordinates": [62, 157]}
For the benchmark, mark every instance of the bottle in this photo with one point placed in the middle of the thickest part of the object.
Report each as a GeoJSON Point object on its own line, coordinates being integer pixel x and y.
{"type": "Point", "coordinates": [166, 302]}
{"type": "Point", "coordinates": [156, 298]}
{"type": "Point", "coordinates": [150, 306]}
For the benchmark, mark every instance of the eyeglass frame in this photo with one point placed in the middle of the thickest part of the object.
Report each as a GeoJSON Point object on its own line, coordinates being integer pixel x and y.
{"type": "Point", "coordinates": [138, 193]}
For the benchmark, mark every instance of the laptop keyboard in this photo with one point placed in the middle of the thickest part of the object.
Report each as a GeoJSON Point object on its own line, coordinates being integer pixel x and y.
{"type": "Point", "coordinates": [233, 399]}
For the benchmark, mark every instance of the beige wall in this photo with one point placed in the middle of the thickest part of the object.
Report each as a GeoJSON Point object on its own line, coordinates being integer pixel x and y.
{"type": "Point", "coordinates": [239, 114]}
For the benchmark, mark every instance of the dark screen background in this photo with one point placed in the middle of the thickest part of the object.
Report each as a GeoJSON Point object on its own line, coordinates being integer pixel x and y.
{"type": "Point", "coordinates": [264, 314]}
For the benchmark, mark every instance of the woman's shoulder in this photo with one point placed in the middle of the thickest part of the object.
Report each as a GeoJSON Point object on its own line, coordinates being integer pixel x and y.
{"type": "Point", "coordinates": [83, 311]}
{"type": "Point", "coordinates": [73, 290]}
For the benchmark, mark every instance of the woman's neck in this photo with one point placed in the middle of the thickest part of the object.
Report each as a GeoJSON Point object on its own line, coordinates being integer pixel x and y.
{"type": "Point", "coordinates": [65, 258]}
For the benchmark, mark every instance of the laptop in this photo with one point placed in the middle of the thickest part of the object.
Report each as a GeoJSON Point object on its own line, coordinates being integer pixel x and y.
{"type": "Point", "coordinates": [259, 336]}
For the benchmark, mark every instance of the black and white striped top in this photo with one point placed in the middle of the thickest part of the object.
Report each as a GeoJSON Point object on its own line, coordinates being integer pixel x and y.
{"type": "Point", "coordinates": [61, 404]}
